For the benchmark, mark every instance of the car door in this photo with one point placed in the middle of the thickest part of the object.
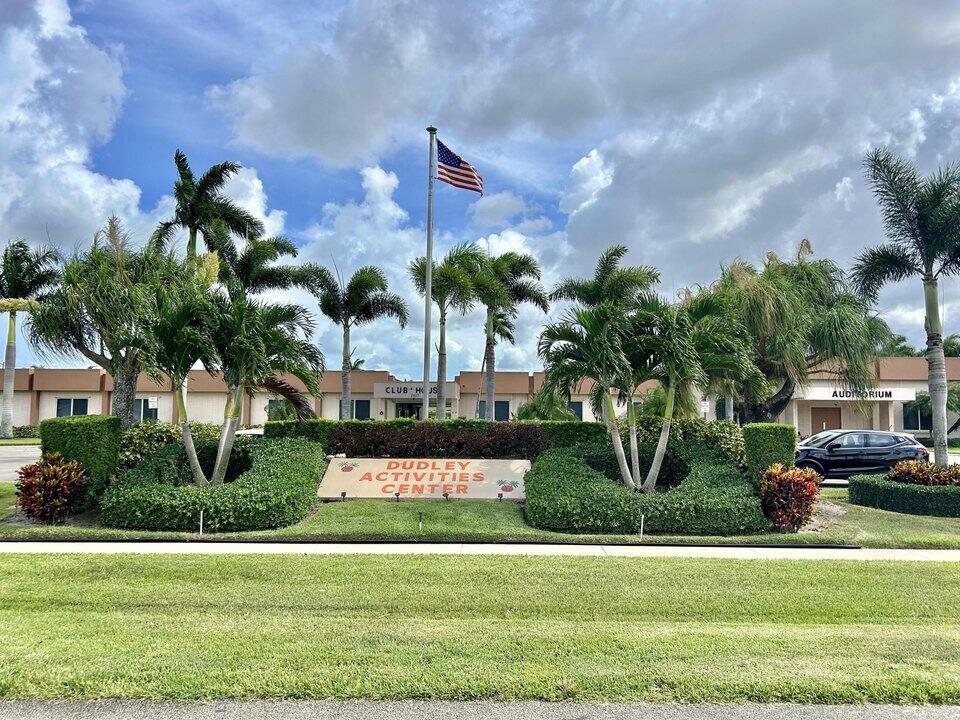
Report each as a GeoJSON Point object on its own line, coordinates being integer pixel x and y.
{"type": "Point", "coordinates": [883, 451]}
{"type": "Point", "coordinates": [846, 454]}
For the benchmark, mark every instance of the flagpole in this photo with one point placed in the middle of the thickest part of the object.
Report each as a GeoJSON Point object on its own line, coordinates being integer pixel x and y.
{"type": "Point", "coordinates": [428, 295]}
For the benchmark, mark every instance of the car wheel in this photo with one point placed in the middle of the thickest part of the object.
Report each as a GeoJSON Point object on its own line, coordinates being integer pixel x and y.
{"type": "Point", "coordinates": [810, 465]}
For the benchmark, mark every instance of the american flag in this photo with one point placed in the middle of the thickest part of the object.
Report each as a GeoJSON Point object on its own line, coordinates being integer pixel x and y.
{"type": "Point", "coordinates": [453, 169]}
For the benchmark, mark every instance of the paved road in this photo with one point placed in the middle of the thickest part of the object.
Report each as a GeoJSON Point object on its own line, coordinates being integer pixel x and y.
{"type": "Point", "coordinates": [14, 457]}
{"type": "Point", "coordinates": [327, 710]}
{"type": "Point", "coordinates": [637, 551]}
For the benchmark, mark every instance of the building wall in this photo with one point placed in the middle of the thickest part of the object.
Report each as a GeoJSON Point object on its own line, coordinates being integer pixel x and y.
{"type": "Point", "coordinates": [206, 407]}
{"type": "Point", "coordinates": [48, 402]}
{"type": "Point", "coordinates": [21, 408]}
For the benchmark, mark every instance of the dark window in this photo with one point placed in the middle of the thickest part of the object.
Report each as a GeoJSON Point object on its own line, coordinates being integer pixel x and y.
{"type": "Point", "coordinates": [852, 441]}
{"type": "Point", "coordinates": [720, 409]}
{"type": "Point", "coordinates": [576, 407]}
{"type": "Point", "coordinates": [361, 409]}
{"type": "Point", "coordinates": [142, 410]}
{"type": "Point", "coordinates": [71, 406]}
{"type": "Point", "coordinates": [915, 417]}
{"type": "Point", "coordinates": [882, 441]}
{"type": "Point", "coordinates": [501, 410]}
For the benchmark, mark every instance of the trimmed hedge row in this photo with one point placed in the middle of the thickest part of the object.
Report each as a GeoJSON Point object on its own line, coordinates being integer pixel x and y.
{"type": "Point", "coordinates": [91, 440]}
{"type": "Point", "coordinates": [564, 493]}
{"type": "Point", "coordinates": [766, 444]}
{"type": "Point", "coordinates": [274, 484]}
{"type": "Point", "coordinates": [878, 491]}
{"type": "Point", "coordinates": [445, 438]}
{"type": "Point", "coordinates": [723, 436]}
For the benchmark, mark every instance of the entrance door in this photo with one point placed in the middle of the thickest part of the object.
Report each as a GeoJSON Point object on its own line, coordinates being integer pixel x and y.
{"type": "Point", "coordinates": [824, 419]}
{"type": "Point", "coordinates": [408, 410]}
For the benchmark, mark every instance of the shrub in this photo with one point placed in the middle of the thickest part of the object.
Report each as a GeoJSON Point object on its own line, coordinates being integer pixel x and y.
{"type": "Point", "coordinates": [879, 491]}
{"type": "Point", "coordinates": [26, 431]}
{"type": "Point", "coordinates": [723, 436]}
{"type": "Point", "coordinates": [91, 440]}
{"type": "Point", "coordinates": [145, 438]}
{"type": "Point", "coordinates": [564, 493]}
{"type": "Point", "coordinates": [787, 495]}
{"type": "Point", "coordinates": [411, 438]}
{"type": "Point", "coordinates": [916, 472]}
{"type": "Point", "coordinates": [562, 433]}
{"type": "Point", "coordinates": [600, 456]}
{"type": "Point", "coordinates": [51, 489]}
{"type": "Point", "coordinates": [766, 444]}
{"type": "Point", "coordinates": [275, 485]}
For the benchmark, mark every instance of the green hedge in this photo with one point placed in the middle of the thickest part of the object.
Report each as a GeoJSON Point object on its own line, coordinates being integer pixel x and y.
{"type": "Point", "coordinates": [878, 491]}
{"type": "Point", "coordinates": [766, 444]}
{"type": "Point", "coordinates": [91, 440]}
{"type": "Point", "coordinates": [275, 485]}
{"type": "Point", "coordinates": [26, 431]}
{"type": "Point", "coordinates": [424, 439]}
{"type": "Point", "coordinates": [723, 436]}
{"type": "Point", "coordinates": [565, 494]}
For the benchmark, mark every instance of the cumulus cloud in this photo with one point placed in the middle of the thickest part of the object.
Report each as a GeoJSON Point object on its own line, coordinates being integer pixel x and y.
{"type": "Point", "coordinates": [843, 192]}
{"type": "Point", "coordinates": [497, 210]}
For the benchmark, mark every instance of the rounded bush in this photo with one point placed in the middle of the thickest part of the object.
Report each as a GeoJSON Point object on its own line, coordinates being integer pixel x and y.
{"type": "Point", "coordinates": [270, 484]}
{"type": "Point", "coordinates": [564, 493]}
{"type": "Point", "coordinates": [145, 438]}
{"type": "Point", "coordinates": [91, 440]}
{"type": "Point", "coordinates": [51, 489]}
{"type": "Point", "coordinates": [766, 444]}
{"type": "Point", "coordinates": [787, 495]}
{"type": "Point", "coordinates": [880, 491]}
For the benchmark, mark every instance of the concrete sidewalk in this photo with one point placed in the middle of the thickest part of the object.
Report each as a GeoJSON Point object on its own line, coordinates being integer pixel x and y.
{"type": "Point", "coordinates": [531, 549]}
{"type": "Point", "coordinates": [481, 710]}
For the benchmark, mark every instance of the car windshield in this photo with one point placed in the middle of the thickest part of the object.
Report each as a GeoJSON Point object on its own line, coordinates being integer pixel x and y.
{"type": "Point", "coordinates": [820, 439]}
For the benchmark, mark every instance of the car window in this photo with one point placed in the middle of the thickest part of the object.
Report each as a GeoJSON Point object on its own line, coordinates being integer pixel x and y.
{"type": "Point", "coordinates": [881, 441]}
{"type": "Point", "coordinates": [820, 439]}
{"type": "Point", "coordinates": [852, 440]}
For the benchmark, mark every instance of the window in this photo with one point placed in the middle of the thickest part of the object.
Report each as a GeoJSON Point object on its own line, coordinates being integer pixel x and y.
{"type": "Point", "coordinates": [361, 410]}
{"type": "Point", "coordinates": [851, 441]}
{"type": "Point", "coordinates": [720, 409]}
{"type": "Point", "coordinates": [71, 406]}
{"type": "Point", "coordinates": [501, 410]}
{"type": "Point", "coordinates": [875, 440]}
{"type": "Point", "coordinates": [576, 407]}
{"type": "Point", "coordinates": [916, 417]}
{"type": "Point", "coordinates": [142, 410]}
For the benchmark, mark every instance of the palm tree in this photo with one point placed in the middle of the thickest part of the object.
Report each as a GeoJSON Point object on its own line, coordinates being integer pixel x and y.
{"type": "Point", "coordinates": [922, 404]}
{"type": "Point", "coordinates": [921, 216]}
{"type": "Point", "coordinates": [364, 299]}
{"type": "Point", "coordinates": [801, 316]}
{"type": "Point", "coordinates": [25, 276]}
{"type": "Point", "coordinates": [587, 344]}
{"type": "Point", "coordinates": [951, 346]}
{"type": "Point", "coordinates": [452, 287]}
{"type": "Point", "coordinates": [200, 202]}
{"type": "Point", "coordinates": [686, 346]}
{"type": "Point", "coordinates": [610, 282]}
{"type": "Point", "coordinates": [502, 284]}
{"type": "Point", "coordinates": [545, 406]}
{"type": "Point", "coordinates": [105, 309]}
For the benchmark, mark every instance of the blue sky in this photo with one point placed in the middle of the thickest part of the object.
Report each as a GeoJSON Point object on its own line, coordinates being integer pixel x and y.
{"type": "Point", "coordinates": [692, 132]}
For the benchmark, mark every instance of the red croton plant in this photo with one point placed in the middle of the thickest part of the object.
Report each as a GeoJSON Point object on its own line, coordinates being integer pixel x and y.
{"type": "Point", "coordinates": [916, 472]}
{"type": "Point", "coordinates": [51, 489]}
{"type": "Point", "coordinates": [787, 495]}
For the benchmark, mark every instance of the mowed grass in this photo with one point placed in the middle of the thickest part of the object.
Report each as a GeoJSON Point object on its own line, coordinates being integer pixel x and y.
{"type": "Point", "coordinates": [19, 441]}
{"type": "Point", "coordinates": [478, 627]}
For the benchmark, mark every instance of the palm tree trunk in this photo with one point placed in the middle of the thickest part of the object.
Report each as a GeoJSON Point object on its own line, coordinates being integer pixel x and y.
{"type": "Point", "coordinates": [346, 404]}
{"type": "Point", "coordinates": [9, 373]}
{"type": "Point", "coordinates": [936, 371]}
{"type": "Point", "coordinates": [192, 244]}
{"type": "Point", "coordinates": [483, 366]}
{"type": "Point", "coordinates": [728, 408]}
{"type": "Point", "coordinates": [651, 481]}
{"type": "Point", "coordinates": [614, 429]}
{"type": "Point", "coordinates": [125, 392]}
{"type": "Point", "coordinates": [198, 477]}
{"type": "Point", "coordinates": [634, 450]}
{"type": "Point", "coordinates": [489, 356]}
{"type": "Point", "coordinates": [228, 433]}
{"type": "Point", "coordinates": [442, 369]}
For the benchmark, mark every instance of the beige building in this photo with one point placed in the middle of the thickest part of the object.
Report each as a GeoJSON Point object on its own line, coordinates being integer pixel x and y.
{"type": "Point", "coordinates": [378, 395]}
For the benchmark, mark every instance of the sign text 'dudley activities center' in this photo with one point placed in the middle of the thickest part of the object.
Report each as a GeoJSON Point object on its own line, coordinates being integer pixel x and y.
{"type": "Point", "coordinates": [462, 478]}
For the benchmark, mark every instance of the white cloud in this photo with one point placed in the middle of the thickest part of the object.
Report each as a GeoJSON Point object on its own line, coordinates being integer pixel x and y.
{"type": "Point", "coordinates": [246, 189]}
{"type": "Point", "coordinates": [497, 210]}
{"type": "Point", "coordinates": [843, 192]}
{"type": "Point", "coordinates": [589, 176]}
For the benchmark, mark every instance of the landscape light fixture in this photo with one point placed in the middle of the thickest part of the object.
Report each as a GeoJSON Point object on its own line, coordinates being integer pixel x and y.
{"type": "Point", "coordinates": [397, 496]}
{"type": "Point", "coordinates": [500, 497]}
{"type": "Point", "coordinates": [343, 495]}
{"type": "Point", "coordinates": [446, 496]}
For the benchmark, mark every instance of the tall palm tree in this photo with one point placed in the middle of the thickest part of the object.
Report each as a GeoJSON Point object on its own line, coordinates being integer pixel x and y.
{"type": "Point", "coordinates": [452, 287]}
{"type": "Point", "coordinates": [801, 315]}
{"type": "Point", "coordinates": [686, 346]}
{"type": "Point", "coordinates": [364, 299]}
{"type": "Point", "coordinates": [104, 309]}
{"type": "Point", "coordinates": [921, 216]}
{"type": "Point", "coordinates": [502, 284]}
{"type": "Point", "coordinates": [587, 344]}
{"type": "Point", "coordinates": [26, 275]}
{"type": "Point", "coordinates": [610, 282]}
{"type": "Point", "coordinates": [200, 202]}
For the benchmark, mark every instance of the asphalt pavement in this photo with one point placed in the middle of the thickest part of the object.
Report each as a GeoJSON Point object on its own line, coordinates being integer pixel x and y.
{"type": "Point", "coordinates": [479, 710]}
{"type": "Point", "coordinates": [14, 457]}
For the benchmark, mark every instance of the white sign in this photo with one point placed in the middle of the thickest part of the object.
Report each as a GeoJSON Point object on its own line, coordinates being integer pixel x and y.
{"type": "Point", "coordinates": [153, 403]}
{"type": "Point", "coordinates": [411, 390]}
{"type": "Point", "coordinates": [704, 406]}
{"type": "Point", "coordinates": [900, 394]}
{"type": "Point", "coordinates": [466, 479]}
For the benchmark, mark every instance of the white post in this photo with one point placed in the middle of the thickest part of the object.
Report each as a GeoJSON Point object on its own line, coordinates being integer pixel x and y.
{"type": "Point", "coordinates": [428, 295]}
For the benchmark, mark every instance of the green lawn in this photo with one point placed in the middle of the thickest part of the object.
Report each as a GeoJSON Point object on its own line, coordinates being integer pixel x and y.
{"type": "Point", "coordinates": [492, 627]}
{"type": "Point", "coordinates": [19, 441]}
{"type": "Point", "coordinates": [461, 521]}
